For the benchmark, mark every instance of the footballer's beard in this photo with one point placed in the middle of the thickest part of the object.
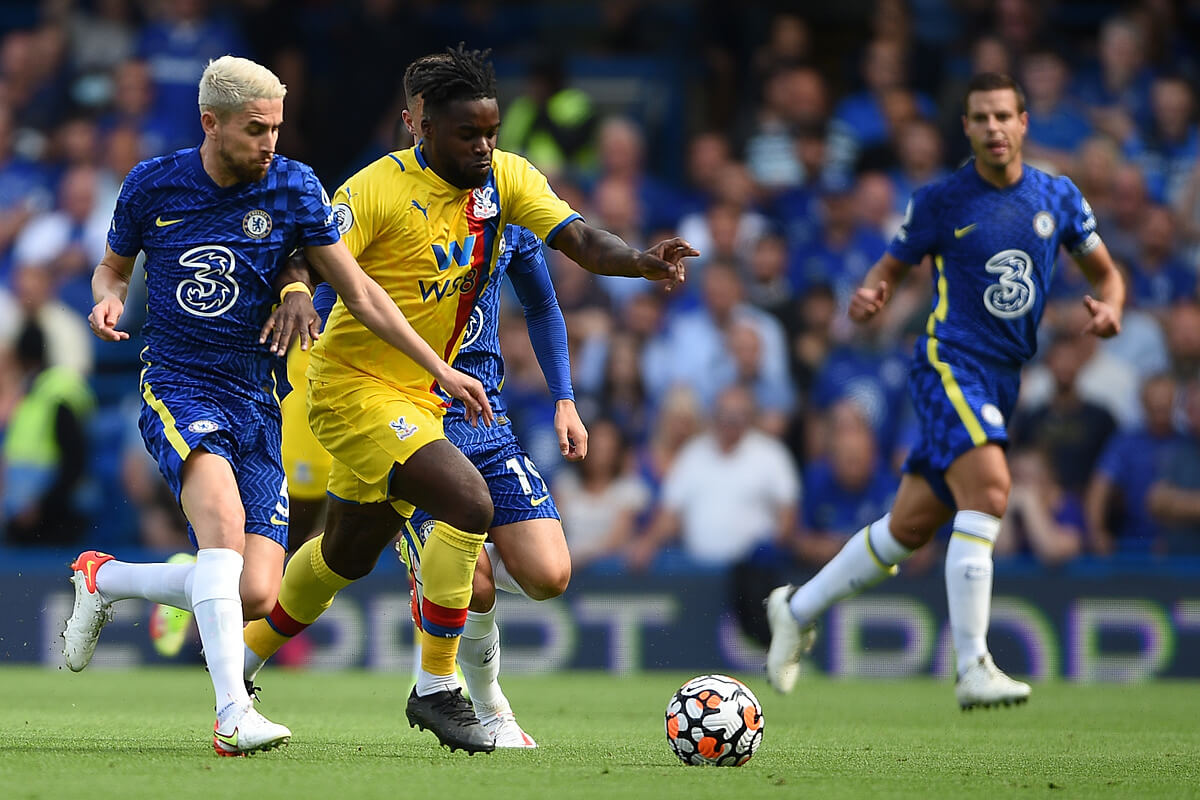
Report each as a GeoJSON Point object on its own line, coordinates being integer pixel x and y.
{"type": "Point", "coordinates": [470, 179]}
{"type": "Point", "coordinates": [243, 171]}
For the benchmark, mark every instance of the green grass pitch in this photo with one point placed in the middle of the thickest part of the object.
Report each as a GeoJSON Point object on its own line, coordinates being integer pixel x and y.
{"type": "Point", "coordinates": [143, 733]}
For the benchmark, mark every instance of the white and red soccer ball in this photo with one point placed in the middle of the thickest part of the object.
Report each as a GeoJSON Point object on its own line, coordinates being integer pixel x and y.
{"type": "Point", "coordinates": [714, 720]}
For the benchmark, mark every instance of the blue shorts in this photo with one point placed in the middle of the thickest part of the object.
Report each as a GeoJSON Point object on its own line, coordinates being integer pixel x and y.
{"type": "Point", "coordinates": [518, 491]}
{"type": "Point", "coordinates": [959, 406]}
{"type": "Point", "coordinates": [179, 417]}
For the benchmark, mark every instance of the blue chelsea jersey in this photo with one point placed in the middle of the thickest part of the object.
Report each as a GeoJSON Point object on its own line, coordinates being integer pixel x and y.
{"type": "Point", "coordinates": [479, 356]}
{"type": "Point", "coordinates": [212, 256]}
{"type": "Point", "coordinates": [994, 252]}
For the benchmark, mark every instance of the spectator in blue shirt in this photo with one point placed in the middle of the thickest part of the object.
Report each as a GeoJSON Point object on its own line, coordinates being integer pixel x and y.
{"type": "Point", "coordinates": [1174, 500]}
{"type": "Point", "coordinates": [1056, 125]}
{"type": "Point", "coordinates": [848, 488]}
{"type": "Point", "coordinates": [1118, 514]}
{"type": "Point", "coordinates": [1167, 148]}
{"type": "Point", "coordinates": [1159, 278]}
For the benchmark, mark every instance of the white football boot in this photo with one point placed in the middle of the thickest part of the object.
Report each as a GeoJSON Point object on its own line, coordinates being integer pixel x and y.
{"type": "Point", "coordinates": [505, 731]}
{"type": "Point", "coordinates": [984, 685]}
{"type": "Point", "coordinates": [248, 732]}
{"type": "Point", "coordinates": [789, 640]}
{"type": "Point", "coordinates": [90, 614]}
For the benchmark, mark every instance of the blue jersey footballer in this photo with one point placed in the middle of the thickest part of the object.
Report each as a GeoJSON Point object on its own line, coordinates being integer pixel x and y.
{"type": "Point", "coordinates": [217, 223]}
{"type": "Point", "coordinates": [993, 230]}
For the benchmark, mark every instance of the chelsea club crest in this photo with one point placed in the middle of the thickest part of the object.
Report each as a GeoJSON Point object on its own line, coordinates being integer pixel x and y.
{"type": "Point", "coordinates": [257, 224]}
{"type": "Point", "coordinates": [1043, 224]}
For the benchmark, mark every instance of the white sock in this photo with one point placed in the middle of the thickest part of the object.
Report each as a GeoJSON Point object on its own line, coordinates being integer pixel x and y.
{"type": "Point", "coordinates": [479, 658]}
{"type": "Point", "coordinates": [428, 683]}
{"type": "Point", "coordinates": [217, 604]}
{"type": "Point", "coordinates": [501, 577]}
{"type": "Point", "coordinates": [169, 584]}
{"type": "Point", "coordinates": [251, 663]}
{"type": "Point", "coordinates": [870, 556]}
{"type": "Point", "coordinates": [969, 583]}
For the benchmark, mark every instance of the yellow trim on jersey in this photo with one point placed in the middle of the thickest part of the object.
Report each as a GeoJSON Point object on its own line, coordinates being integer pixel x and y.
{"type": "Point", "coordinates": [168, 422]}
{"type": "Point", "coordinates": [953, 391]}
{"type": "Point", "coordinates": [943, 304]}
{"type": "Point", "coordinates": [970, 537]}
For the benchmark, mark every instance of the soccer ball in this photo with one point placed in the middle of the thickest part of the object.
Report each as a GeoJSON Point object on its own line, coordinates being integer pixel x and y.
{"type": "Point", "coordinates": [714, 719]}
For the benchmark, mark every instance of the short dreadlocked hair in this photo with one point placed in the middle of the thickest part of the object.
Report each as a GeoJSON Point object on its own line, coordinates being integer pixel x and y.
{"type": "Point", "coordinates": [415, 74]}
{"type": "Point", "coordinates": [457, 74]}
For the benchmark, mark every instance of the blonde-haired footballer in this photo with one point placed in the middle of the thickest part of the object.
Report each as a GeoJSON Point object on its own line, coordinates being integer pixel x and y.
{"type": "Point", "coordinates": [216, 223]}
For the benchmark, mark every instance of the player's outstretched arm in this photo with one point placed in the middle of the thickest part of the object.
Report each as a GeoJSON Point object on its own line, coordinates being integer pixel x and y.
{"type": "Point", "coordinates": [605, 254]}
{"type": "Point", "coordinates": [110, 286]}
{"type": "Point", "coordinates": [371, 305]}
{"type": "Point", "coordinates": [1105, 278]}
{"type": "Point", "coordinates": [877, 287]}
{"type": "Point", "coordinates": [295, 313]}
{"type": "Point", "coordinates": [530, 278]}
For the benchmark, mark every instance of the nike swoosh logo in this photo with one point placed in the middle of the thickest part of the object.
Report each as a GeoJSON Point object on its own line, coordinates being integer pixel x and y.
{"type": "Point", "coordinates": [277, 521]}
{"type": "Point", "coordinates": [963, 231]}
{"type": "Point", "coordinates": [539, 500]}
{"type": "Point", "coordinates": [89, 571]}
{"type": "Point", "coordinates": [162, 223]}
{"type": "Point", "coordinates": [232, 740]}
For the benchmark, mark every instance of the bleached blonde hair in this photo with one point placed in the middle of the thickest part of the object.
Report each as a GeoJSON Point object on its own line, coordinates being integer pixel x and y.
{"type": "Point", "coordinates": [229, 82]}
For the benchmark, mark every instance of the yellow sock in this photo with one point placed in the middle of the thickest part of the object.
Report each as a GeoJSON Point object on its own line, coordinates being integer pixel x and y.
{"type": "Point", "coordinates": [308, 588]}
{"type": "Point", "coordinates": [447, 568]}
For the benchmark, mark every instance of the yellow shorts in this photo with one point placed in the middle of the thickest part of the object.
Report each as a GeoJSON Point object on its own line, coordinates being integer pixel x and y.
{"type": "Point", "coordinates": [368, 427]}
{"type": "Point", "coordinates": [305, 462]}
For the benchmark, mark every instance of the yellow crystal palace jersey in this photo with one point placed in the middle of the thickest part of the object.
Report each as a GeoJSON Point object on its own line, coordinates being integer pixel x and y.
{"type": "Point", "coordinates": [432, 247]}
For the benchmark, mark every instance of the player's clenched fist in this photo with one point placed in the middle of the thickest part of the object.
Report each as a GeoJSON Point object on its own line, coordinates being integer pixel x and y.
{"type": "Point", "coordinates": [1105, 321]}
{"type": "Point", "coordinates": [867, 301]}
{"type": "Point", "coordinates": [104, 318]}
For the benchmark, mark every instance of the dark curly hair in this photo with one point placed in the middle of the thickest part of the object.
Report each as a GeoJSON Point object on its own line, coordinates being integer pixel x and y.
{"type": "Point", "coordinates": [457, 74]}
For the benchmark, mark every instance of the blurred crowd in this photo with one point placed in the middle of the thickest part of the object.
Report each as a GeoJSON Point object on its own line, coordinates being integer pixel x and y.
{"type": "Point", "coordinates": [741, 419]}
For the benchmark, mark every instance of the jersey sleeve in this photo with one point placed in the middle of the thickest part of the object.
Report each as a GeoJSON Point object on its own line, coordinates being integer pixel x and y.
{"type": "Point", "coordinates": [125, 233]}
{"type": "Point", "coordinates": [324, 298]}
{"type": "Point", "coordinates": [918, 233]}
{"type": "Point", "coordinates": [547, 330]}
{"type": "Point", "coordinates": [360, 209]}
{"type": "Point", "coordinates": [1079, 233]}
{"type": "Point", "coordinates": [530, 201]}
{"type": "Point", "coordinates": [315, 220]}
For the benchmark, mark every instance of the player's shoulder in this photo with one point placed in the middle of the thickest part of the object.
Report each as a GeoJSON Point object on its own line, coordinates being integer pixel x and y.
{"type": "Point", "coordinates": [1057, 184]}
{"type": "Point", "coordinates": [161, 168]}
{"type": "Point", "coordinates": [945, 191]}
{"type": "Point", "coordinates": [511, 168]}
{"type": "Point", "coordinates": [386, 168]}
{"type": "Point", "coordinates": [292, 167]}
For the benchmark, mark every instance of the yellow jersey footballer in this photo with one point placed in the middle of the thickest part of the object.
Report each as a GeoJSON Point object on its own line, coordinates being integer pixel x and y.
{"type": "Point", "coordinates": [426, 224]}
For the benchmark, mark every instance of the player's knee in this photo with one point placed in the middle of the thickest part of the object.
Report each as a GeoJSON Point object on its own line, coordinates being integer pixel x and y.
{"type": "Point", "coordinates": [474, 513]}
{"type": "Point", "coordinates": [913, 536]}
{"type": "Point", "coordinates": [550, 584]}
{"type": "Point", "coordinates": [257, 601]}
{"type": "Point", "coordinates": [991, 499]}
